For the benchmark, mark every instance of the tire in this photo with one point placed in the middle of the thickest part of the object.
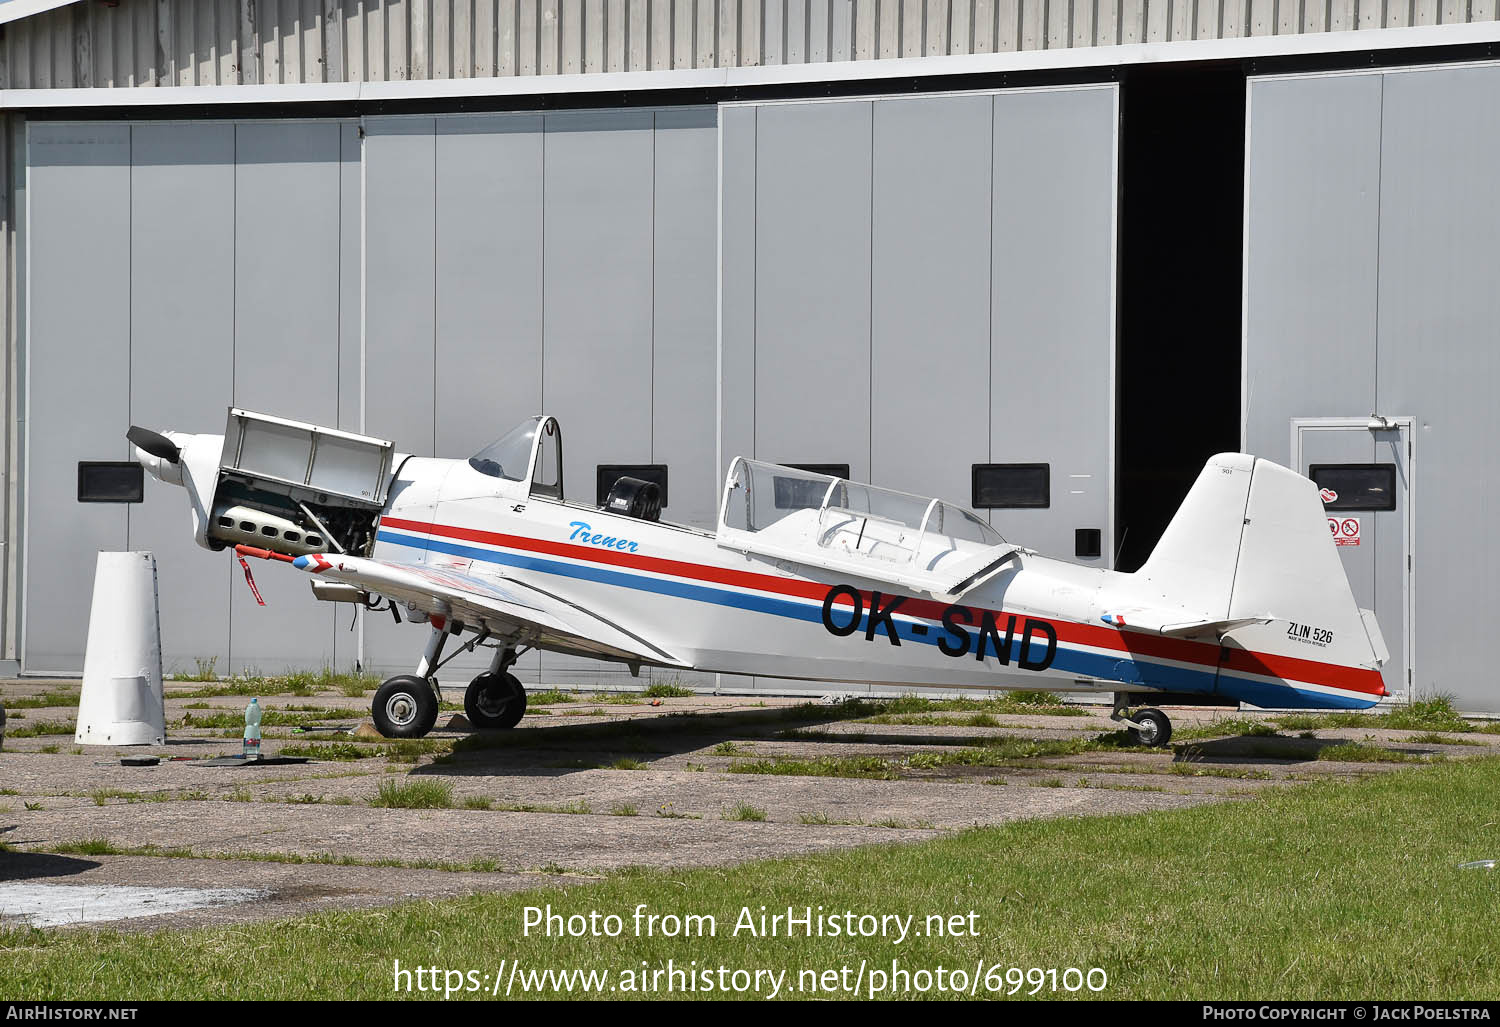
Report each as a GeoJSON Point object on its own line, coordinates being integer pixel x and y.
{"type": "Point", "coordinates": [1158, 728]}
{"type": "Point", "coordinates": [404, 707]}
{"type": "Point", "coordinates": [495, 702]}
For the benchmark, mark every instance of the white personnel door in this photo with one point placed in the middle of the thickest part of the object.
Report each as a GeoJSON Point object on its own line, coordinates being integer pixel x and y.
{"type": "Point", "coordinates": [1365, 472]}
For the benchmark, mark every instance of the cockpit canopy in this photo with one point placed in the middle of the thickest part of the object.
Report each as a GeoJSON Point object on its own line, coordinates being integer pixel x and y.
{"type": "Point", "coordinates": [925, 544]}
{"type": "Point", "coordinates": [529, 452]}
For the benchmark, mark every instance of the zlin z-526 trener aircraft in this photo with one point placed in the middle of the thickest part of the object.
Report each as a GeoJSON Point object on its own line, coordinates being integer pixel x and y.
{"type": "Point", "coordinates": [806, 577]}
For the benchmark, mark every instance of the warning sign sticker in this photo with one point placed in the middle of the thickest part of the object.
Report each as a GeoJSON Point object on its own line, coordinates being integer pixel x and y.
{"type": "Point", "coordinates": [1345, 530]}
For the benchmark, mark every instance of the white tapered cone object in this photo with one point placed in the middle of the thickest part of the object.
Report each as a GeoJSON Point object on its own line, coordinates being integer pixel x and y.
{"type": "Point", "coordinates": [121, 702]}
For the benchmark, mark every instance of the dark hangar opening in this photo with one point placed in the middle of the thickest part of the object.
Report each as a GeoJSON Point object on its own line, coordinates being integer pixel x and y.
{"type": "Point", "coordinates": [1182, 175]}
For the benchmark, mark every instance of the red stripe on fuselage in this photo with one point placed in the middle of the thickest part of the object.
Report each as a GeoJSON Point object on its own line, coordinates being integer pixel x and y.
{"type": "Point", "coordinates": [1132, 644]}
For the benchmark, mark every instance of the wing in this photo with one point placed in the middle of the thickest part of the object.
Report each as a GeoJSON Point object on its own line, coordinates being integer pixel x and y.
{"type": "Point", "coordinates": [507, 608]}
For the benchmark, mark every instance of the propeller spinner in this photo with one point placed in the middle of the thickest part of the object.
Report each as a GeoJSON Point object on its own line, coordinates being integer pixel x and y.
{"type": "Point", "coordinates": [154, 443]}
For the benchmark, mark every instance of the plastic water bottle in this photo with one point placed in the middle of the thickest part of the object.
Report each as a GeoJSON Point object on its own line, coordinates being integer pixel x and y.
{"type": "Point", "coordinates": [252, 730]}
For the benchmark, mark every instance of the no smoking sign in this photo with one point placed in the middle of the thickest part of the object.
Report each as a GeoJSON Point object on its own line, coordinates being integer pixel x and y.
{"type": "Point", "coordinates": [1345, 530]}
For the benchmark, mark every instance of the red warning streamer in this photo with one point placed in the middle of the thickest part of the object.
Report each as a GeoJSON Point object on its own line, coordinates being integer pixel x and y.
{"type": "Point", "coordinates": [262, 554]}
{"type": "Point", "coordinates": [250, 580]}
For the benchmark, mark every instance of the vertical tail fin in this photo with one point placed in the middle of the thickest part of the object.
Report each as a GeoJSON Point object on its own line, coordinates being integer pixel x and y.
{"type": "Point", "coordinates": [1248, 553]}
{"type": "Point", "coordinates": [1192, 569]}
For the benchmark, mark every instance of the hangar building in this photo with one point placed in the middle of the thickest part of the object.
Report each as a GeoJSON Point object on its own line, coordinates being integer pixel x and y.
{"type": "Point", "coordinates": [1041, 257]}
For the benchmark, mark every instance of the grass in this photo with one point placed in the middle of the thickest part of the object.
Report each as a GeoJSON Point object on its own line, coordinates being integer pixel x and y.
{"type": "Point", "coordinates": [249, 687]}
{"type": "Point", "coordinates": [1435, 713]}
{"type": "Point", "coordinates": [410, 750]}
{"type": "Point", "coordinates": [101, 796]}
{"type": "Point", "coordinates": [935, 720]}
{"type": "Point", "coordinates": [662, 690]}
{"type": "Point", "coordinates": [1358, 752]}
{"type": "Point", "coordinates": [1002, 751]}
{"type": "Point", "coordinates": [425, 794]}
{"type": "Point", "coordinates": [298, 682]}
{"type": "Point", "coordinates": [1221, 727]}
{"type": "Point", "coordinates": [269, 717]}
{"type": "Point", "coordinates": [581, 807]}
{"type": "Point", "coordinates": [1005, 750]}
{"type": "Point", "coordinates": [898, 710]}
{"type": "Point", "coordinates": [85, 847]}
{"type": "Point", "coordinates": [613, 699]}
{"type": "Point", "coordinates": [1438, 738]}
{"type": "Point", "coordinates": [820, 819]}
{"type": "Point", "coordinates": [872, 767]}
{"type": "Point", "coordinates": [104, 847]}
{"type": "Point", "coordinates": [340, 751]}
{"type": "Point", "coordinates": [41, 727]}
{"type": "Point", "coordinates": [204, 669]}
{"type": "Point", "coordinates": [43, 701]}
{"type": "Point", "coordinates": [1282, 897]}
{"type": "Point", "coordinates": [1192, 769]}
{"type": "Point", "coordinates": [745, 811]}
{"type": "Point", "coordinates": [396, 750]}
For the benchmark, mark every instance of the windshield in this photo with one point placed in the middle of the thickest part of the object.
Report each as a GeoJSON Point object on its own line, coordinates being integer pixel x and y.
{"type": "Point", "coordinates": [508, 457]}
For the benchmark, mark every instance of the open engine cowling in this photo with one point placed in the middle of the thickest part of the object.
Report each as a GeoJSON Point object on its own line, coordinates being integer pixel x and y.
{"type": "Point", "coordinates": [297, 488]}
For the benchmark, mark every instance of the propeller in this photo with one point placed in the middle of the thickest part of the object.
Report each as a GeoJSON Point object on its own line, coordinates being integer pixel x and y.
{"type": "Point", "coordinates": [155, 443]}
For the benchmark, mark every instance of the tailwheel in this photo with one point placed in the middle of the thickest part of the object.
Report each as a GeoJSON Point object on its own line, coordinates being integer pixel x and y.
{"type": "Point", "coordinates": [495, 701]}
{"type": "Point", "coordinates": [404, 707]}
{"type": "Point", "coordinates": [1155, 728]}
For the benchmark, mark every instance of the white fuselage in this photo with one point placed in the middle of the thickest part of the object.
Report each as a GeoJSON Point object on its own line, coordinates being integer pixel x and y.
{"type": "Point", "coordinates": [1034, 624]}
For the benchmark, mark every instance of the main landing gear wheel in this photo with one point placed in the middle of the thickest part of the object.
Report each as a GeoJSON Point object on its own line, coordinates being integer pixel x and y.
{"type": "Point", "coordinates": [495, 701]}
{"type": "Point", "coordinates": [404, 707]}
{"type": "Point", "coordinates": [1155, 729]}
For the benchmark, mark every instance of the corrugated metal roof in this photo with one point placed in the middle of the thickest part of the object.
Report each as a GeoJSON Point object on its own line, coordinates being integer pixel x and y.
{"type": "Point", "coordinates": [132, 43]}
{"type": "Point", "coordinates": [15, 10]}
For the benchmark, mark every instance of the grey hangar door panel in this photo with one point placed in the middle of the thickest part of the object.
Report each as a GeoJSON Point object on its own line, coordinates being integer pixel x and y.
{"type": "Point", "coordinates": [1370, 223]}
{"type": "Point", "coordinates": [559, 263]}
{"type": "Point", "coordinates": [173, 268]}
{"type": "Point", "coordinates": [914, 286]}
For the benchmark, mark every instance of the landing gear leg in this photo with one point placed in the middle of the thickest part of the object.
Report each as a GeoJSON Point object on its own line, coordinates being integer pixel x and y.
{"type": "Point", "coordinates": [432, 654]}
{"type": "Point", "coordinates": [1149, 727]}
{"type": "Point", "coordinates": [496, 699]}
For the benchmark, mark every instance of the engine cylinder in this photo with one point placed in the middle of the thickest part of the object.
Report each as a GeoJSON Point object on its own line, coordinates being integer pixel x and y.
{"type": "Point", "coordinates": [249, 526]}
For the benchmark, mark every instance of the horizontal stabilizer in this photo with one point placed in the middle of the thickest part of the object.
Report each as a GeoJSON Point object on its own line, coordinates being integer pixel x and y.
{"type": "Point", "coordinates": [1172, 623]}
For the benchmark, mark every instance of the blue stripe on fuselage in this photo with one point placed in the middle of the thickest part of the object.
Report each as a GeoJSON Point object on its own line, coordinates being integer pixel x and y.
{"type": "Point", "coordinates": [1072, 661]}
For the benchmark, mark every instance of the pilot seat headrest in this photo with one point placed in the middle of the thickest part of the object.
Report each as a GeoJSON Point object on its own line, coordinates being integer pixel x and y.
{"type": "Point", "coordinates": [634, 497]}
